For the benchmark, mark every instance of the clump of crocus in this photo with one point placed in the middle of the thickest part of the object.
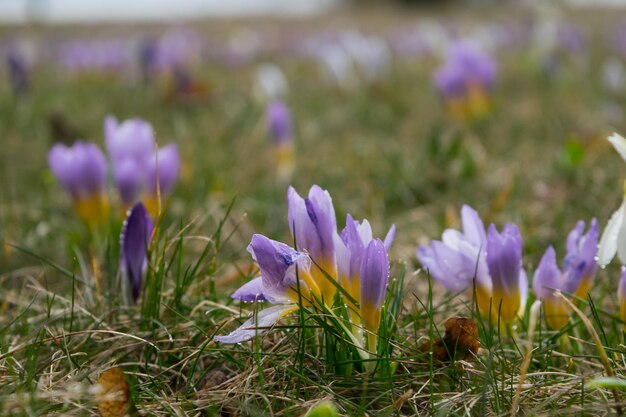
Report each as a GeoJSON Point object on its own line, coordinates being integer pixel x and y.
{"type": "Point", "coordinates": [81, 171]}
{"type": "Point", "coordinates": [489, 265]}
{"type": "Point", "coordinates": [280, 130]}
{"type": "Point", "coordinates": [291, 278]}
{"type": "Point", "coordinates": [351, 245]}
{"type": "Point", "coordinates": [140, 172]}
{"type": "Point", "coordinates": [134, 242]}
{"type": "Point", "coordinates": [466, 79]}
{"type": "Point", "coordinates": [579, 268]}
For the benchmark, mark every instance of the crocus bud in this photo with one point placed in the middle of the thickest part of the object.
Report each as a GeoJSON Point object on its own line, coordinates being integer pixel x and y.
{"type": "Point", "coordinates": [135, 240]}
{"type": "Point", "coordinates": [279, 122]}
{"type": "Point", "coordinates": [374, 277]}
{"type": "Point", "coordinates": [504, 259]}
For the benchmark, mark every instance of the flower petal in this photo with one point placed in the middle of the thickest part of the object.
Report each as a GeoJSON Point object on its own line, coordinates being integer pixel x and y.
{"type": "Point", "coordinates": [608, 242]}
{"type": "Point", "coordinates": [136, 234]}
{"type": "Point", "coordinates": [257, 325]}
{"type": "Point", "coordinates": [250, 291]}
{"type": "Point", "coordinates": [473, 227]}
{"type": "Point", "coordinates": [391, 236]}
{"type": "Point", "coordinates": [619, 143]}
{"type": "Point", "coordinates": [547, 277]}
{"type": "Point", "coordinates": [278, 263]}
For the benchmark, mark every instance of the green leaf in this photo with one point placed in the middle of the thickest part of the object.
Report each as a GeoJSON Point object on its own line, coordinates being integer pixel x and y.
{"type": "Point", "coordinates": [323, 409]}
{"type": "Point", "coordinates": [608, 382]}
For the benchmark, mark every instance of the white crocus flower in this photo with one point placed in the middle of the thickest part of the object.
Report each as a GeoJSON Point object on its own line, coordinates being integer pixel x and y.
{"type": "Point", "coordinates": [614, 236]}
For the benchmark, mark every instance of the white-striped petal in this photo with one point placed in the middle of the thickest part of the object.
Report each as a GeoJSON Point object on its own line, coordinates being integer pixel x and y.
{"type": "Point", "coordinates": [608, 242]}
{"type": "Point", "coordinates": [619, 143]}
{"type": "Point", "coordinates": [257, 325]}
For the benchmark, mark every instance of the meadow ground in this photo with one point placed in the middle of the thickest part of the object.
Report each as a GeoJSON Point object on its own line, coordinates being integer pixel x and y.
{"type": "Point", "coordinates": [387, 151]}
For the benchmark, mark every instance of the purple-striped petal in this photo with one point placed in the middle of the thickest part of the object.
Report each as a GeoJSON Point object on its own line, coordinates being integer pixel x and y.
{"type": "Point", "coordinates": [135, 239]}
{"type": "Point", "coordinates": [374, 274]}
{"type": "Point", "coordinates": [279, 265]}
{"type": "Point", "coordinates": [504, 257]}
{"type": "Point", "coordinates": [250, 291]}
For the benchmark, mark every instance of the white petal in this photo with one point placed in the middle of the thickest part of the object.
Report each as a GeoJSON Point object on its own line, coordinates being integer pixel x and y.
{"type": "Point", "coordinates": [621, 243]}
{"type": "Point", "coordinates": [608, 241]}
{"type": "Point", "coordinates": [619, 143]}
{"type": "Point", "coordinates": [259, 324]}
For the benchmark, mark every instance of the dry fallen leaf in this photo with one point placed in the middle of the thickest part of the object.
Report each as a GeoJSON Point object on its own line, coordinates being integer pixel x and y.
{"type": "Point", "coordinates": [459, 342]}
{"type": "Point", "coordinates": [113, 393]}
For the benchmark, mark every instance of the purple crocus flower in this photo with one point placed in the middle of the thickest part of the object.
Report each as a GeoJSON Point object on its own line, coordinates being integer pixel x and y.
{"type": "Point", "coordinates": [313, 225]}
{"type": "Point", "coordinates": [504, 260]}
{"type": "Point", "coordinates": [280, 267]}
{"type": "Point", "coordinates": [466, 79]}
{"type": "Point", "coordinates": [374, 275]}
{"type": "Point", "coordinates": [135, 240]}
{"type": "Point", "coordinates": [278, 120]}
{"type": "Point", "coordinates": [19, 71]}
{"type": "Point", "coordinates": [490, 260]}
{"type": "Point", "coordinates": [466, 65]}
{"type": "Point", "coordinates": [81, 171]}
{"type": "Point", "coordinates": [350, 247]}
{"type": "Point", "coordinates": [133, 138]}
{"type": "Point", "coordinates": [579, 267]}
{"type": "Point", "coordinates": [137, 167]}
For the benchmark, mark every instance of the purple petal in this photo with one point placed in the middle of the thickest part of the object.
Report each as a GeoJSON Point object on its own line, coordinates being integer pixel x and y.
{"type": "Point", "coordinates": [250, 291]}
{"type": "Point", "coordinates": [302, 228]}
{"type": "Point", "coordinates": [257, 325]}
{"type": "Point", "coordinates": [547, 277]}
{"type": "Point", "coordinates": [278, 263]}
{"type": "Point", "coordinates": [166, 163]}
{"type": "Point", "coordinates": [374, 274]}
{"type": "Point", "coordinates": [128, 179]}
{"type": "Point", "coordinates": [278, 120]}
{"type": "Point", "coordinates": [504, 257]}
{"type": "Point", "coordinates": [136, 234]}
{"type": "Point", "coordinates": [320, 209]}
{"type": "Point", "coordinates": [133, 138]}
{"type": "Point", "coordinates": [60, 160]}
{"type": "Point", "coordinates": [391, 236]}
{"type": "Point", "coordinates": [80, 169]}
{"type": "Point", "coordinates": [473, 226]}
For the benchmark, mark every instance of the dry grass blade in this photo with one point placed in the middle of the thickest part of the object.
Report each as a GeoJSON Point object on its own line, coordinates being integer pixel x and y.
{"type": "Point", "coordinates": [532, 324]}
{"type": "Point", "coordinates": [603, 356]}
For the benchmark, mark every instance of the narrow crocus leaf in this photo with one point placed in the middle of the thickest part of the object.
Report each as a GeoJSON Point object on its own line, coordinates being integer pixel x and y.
{"type": "Point", "coordinates": [607, 383]}
{"type": "Point", "coordinates": [136, 234]}
{"type": "Point", "coordinates": [258, 325]}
